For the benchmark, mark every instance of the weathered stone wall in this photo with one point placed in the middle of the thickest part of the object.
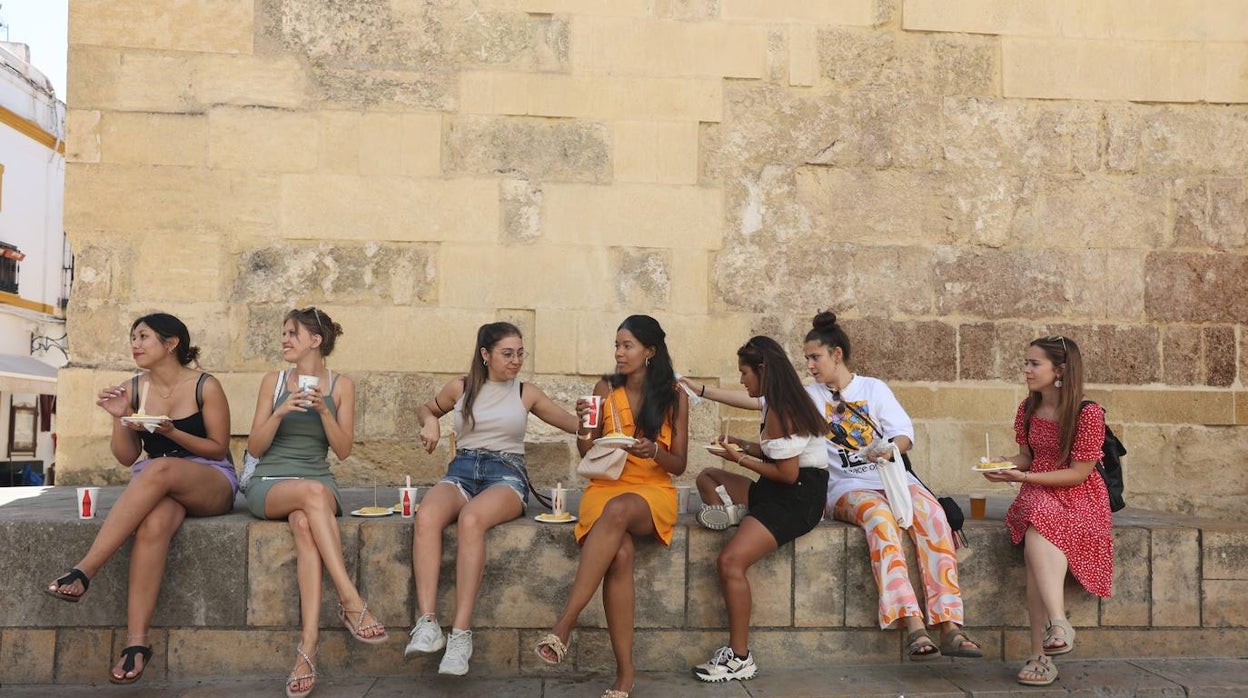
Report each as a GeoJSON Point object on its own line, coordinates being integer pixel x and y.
{"type": "Point", "coordinates": [953, 178]}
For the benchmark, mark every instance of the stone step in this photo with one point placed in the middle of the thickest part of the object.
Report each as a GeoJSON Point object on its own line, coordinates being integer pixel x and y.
{"type": "Point", "coordinates": [229, 606]}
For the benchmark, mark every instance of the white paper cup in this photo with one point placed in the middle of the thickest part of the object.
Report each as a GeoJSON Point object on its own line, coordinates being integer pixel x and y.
{"type": "Point", "coordinates": [682, 498]}
{"type": "Point", "coordinates": [408, 501]}
{"type": "Point", "coordinates": [308, 382]}
{"type": "Point", "coordinates": [88, 502]}
{"type": "Point", "coordinates": [593, 418]}
{"type": "Point", "coordinates": [558, 501]}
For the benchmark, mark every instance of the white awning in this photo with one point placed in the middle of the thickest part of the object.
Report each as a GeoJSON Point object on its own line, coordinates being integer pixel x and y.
{"type": "Point", "coordinates": [26, 374]}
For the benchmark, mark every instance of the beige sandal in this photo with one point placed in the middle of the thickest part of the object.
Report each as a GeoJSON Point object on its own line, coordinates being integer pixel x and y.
{"type": "Point", "coordinates": [617, 693]}
{"type": "Point", "coordinates": [357, 628]}
{"type": "Point", "coordinates": [1067, 638]}
{"type": "Point", "coordinates": [296, 678]}
{"type": "Point", "coordinates": [1041, 666]}
{"type": "Point", "coordinates": [555, 645]}
{"type": "Point", "coordinates": [918, 649]}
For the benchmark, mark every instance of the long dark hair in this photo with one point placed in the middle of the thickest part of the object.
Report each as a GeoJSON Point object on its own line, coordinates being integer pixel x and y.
{"type": "Point", "coordinates": [827, 331]}
{"type": "Point", "coordinates": [167, 327]}
{"type": "Point", "coordinates": [487, 336]}
{"type": "Point", "coordinates": [659, 388]}
{"type": "Point", "coordinates": [316, 322]}
{"type": "Point", "coordinates": [1064, 354]}
{"type": "Point", "coordinates": [782, 389]}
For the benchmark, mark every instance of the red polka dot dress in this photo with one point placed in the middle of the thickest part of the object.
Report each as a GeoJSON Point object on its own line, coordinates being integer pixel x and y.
{"type": "Point", "coordinates": [1075, 519]}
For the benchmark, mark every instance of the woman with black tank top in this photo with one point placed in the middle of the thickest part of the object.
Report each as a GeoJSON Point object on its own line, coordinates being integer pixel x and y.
{"type": "Point", "coordinates": [294, 428]}
{"type": "Point", "coordinates": [187, 472]}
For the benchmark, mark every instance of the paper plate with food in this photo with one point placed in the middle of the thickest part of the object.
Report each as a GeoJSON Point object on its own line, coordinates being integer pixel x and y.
{"type": "Point", "coordinates": [372, 511]}
{"type": "Point", "coordinates": [722, 448]}
{"type": "Point", "coordinates": [615, 438]}
{"type": "Point", "coordinates": [991, 466]}
{"type": "Point", "coordinates": [549, 517]}
{"type": "Point", "coordinates": [147, 421]}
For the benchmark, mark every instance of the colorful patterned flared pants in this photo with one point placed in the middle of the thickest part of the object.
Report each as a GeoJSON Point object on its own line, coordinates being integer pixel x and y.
{"type": "Point", "coordinates": [933, 541]}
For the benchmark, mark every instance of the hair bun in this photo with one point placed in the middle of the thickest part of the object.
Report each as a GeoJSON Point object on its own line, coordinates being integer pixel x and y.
{"type": "Point", "coordinates": [825, 321]}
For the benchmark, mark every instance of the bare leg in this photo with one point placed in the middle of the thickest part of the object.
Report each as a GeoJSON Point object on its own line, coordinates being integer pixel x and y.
{"type": "Point", "coordinates": [748, 545]}
{"type": "Point", "coordinates": [438, 509]}
{"type": "Point", "coordinates": [316, 501]}
{"type": "Point", "coordinates": [626, 514]}
{"type": "Point", "coordinates": [1047, 565]}
{"type": "Point", "coordinates": [619, 598]}
{"type": "Point", "coordinates": [147, 568]}
{"type": "Point", "coordinates": [308, 574]}
{"type": "Point", "coordinates": [488, 509]}
{"type": "Point", "coordinates": [738, 486]}
{"type": "Point", "coordinates": [201, 489]}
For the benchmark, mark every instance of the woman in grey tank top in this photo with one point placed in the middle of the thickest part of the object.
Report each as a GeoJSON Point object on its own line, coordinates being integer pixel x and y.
{"type": "Point", "coordinates": [292, 431]}
{"type": "Point", "coordinates": [486, 483]}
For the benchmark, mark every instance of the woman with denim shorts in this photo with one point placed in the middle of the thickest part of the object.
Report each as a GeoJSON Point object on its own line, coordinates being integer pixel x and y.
{"type": "Point", "coordinates": [486, 483]}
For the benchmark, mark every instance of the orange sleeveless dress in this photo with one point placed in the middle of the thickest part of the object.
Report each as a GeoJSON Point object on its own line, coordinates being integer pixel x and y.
{"type": "Point", "coordinates": [641, 476]}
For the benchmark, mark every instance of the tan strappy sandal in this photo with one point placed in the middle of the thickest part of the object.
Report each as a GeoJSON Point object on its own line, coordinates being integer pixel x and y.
{"type": "Point", "coordinates": [555, 645]}
{"type": "Point", "coordinates": [297, 678]}
{"type": "Point", "coordinates": [357, 628]}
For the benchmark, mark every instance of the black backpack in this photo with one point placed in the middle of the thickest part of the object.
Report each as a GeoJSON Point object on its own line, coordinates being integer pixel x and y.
{"type": "Point", "coordinates": [1110, 465]}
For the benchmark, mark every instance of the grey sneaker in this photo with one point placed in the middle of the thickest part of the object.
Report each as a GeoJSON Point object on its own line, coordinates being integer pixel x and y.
{"type": "Point", "coordinates": [426, 636]}
{"type": "Point", "coordinates": [458, 652]}
{"type": "Point", "coordinates": [718, 517]}
{"type": "Point", "coordinates": [726, 666]}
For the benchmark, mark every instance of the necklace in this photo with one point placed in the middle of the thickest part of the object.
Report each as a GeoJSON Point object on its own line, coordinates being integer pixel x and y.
{"type": "Point", "coordinates": [167, 395]}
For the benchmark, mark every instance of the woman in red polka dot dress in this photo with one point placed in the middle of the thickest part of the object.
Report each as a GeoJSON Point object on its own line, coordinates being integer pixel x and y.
{"type": "Point", "coordinates": [1062, 512]}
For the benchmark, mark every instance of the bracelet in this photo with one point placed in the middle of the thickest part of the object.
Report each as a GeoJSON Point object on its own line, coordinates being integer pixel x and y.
{"type": "Point", "coordinates": [655, 457]}
{"type": "Point", "coordinates": [702, 392]}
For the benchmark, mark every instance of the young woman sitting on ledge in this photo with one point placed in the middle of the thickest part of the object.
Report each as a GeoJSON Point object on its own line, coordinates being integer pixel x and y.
{"type": "Point", "coordinates": [292, 432]}
{"type": "Point", "coordinates": [186, 472]}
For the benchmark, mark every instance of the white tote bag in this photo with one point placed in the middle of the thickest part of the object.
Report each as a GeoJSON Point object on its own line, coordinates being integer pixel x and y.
{"type": "Point", "coordinates": [897, 489]}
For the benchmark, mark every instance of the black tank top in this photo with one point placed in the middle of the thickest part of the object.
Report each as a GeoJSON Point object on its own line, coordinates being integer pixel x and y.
{"type": "Point", "coordinates": [161, 446]}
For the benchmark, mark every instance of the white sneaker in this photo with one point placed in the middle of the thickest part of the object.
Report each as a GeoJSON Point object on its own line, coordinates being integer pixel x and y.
{"type": "Point", "coordinates": [458, 652]}
{"type": "Point", "coordinates": [718, 517]}
{"type": "Point", "coordinates": [726, 666]}
{"type": "Point", "coordinates": [426, 636]}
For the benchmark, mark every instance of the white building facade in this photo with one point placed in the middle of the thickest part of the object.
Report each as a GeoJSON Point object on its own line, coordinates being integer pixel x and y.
{"type": "Point", "coordinates": [36, 267]}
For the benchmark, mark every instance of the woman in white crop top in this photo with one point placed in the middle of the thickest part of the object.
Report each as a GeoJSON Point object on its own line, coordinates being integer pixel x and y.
{"type": "Point", "coordinates": [784, 503]}
{"type": "Point", "coordinates": [486, 482]}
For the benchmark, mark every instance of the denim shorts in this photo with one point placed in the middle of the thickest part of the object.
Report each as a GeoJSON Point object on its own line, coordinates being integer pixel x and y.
{"type": "Point", "coordinates": [474, 470]}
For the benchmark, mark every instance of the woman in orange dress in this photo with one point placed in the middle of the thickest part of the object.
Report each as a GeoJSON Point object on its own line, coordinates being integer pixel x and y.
{"type": "Point", "coordinates": [641, 399]}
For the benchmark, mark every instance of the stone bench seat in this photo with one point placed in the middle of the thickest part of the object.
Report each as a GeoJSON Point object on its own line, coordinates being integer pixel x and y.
{"type": "Point", "coordinates": [229, 604]}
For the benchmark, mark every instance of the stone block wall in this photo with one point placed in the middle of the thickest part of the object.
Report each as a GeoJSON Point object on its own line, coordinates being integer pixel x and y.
{"type": "Point", "coordinates": [952, 179]}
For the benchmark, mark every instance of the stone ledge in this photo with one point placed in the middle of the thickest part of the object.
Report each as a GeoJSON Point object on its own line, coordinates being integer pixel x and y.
{"type": "Point", "coordinates": [227, 609]}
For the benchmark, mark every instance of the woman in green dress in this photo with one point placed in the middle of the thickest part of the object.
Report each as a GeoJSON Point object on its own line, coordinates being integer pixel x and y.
{"type": "Point", "coordinates": [297, 421]}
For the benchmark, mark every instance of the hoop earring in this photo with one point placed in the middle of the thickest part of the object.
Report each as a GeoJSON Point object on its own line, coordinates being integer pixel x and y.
{"type": "Point", "coordinates": [485, 363]}
{"type": "Point", "coordinates": [1057, 383]}
{"type": "Point", "coordinates": [647, 362]}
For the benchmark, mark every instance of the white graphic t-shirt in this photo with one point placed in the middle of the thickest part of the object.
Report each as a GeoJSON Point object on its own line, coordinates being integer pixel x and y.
{"type": "Point", "coordinates": [864, 401]}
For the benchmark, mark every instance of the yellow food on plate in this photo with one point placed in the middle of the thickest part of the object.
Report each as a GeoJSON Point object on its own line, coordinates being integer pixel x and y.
{"type": "Point", "coordinates": [373, 510]}
{"type": "Point", "coordinates": [723, 447]}
{"type": "Point", "coordinates": [565, 516]}
{"type": "Point", "coordinates": [148, 416]}
{"type": "Point", "coordinates": [615, 435]}
{"type": "Point", "coordinates": [985, 464]}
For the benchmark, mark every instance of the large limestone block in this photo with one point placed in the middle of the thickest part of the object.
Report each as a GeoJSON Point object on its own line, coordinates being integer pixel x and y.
{"type": "Point", "coordinates": [989, 133]}
{"type": "Point", "coordinates": [198, 25]}
{"type": "Point", "coordinates": [196, 259]}
{"type": "Point", "coordinates": [1210, 213]}
{"type": "Point", "coordinates": [82, 134]}
{"type": "Point", "coordinates": [28, 656]}
{"type": "Point", "coordinates": [656, 650]}
{"type": "Point", "coordinates": [279, 81]}
{"type": "Point", "coordinates": [574, 282]}
{"type": "Point", "coordinates": [82, 654]}
{"type": "Point", "coordinates": [793, 649]}
{"type": "Point", "coordinates": [110, 79]}
{"type": "Point", "coordinates": [803, 56]}
{"type": "Point", "coordinates": [212, 652]}
{"type": "Point", "coordinates": [594, 97]}
{"type": "Point", "coordinates": [618, 46]}
{"type": "Point", "coordinates": [203, 583]}
{"type": "Point", "coordinates": [887, 206]}
{"type": "Point", "coordinates": [655, 151]}
{"type": "Point", "coordinates": [400, 144]}
{"type": "Point", "coordinates": [633, 215]}
{"type": "Point", "coordinates": [1190, 287]}
{"type": "Point", "coordinates": [261, 139]}
{"type": "Point", "coordinates": [1225, 553]}
{"type": "Point", "coordinates": [925, 64]}
{"type": "Point", "coordinates": [1132, 599]}
{"type": "Point", "coordinates": [1175, 565]}
{"type": "Point", "coordinates": [156, 198]}
{"type": "Point", "coordinates": [540, 149]}
{"type": "Point", "coordinates": [272, 595]}
{"type": "Point", "coordinates": [660, 576]}
{"type": "Point", "coordinates": [128, 138]}
{"type": "Point", "coordinates": [1222, 603]}
{"type": "Point", "coordinates": [389, 208]}
{"type": "Point", "coordinates": [1225, 81]}
{"type": "Point", "coordinates": [1193, 355]}
{"type": "Point", "coordinates": [1062, 68]}
{"type": "Point", "coordinates": [770, 580]}
{"type": "Point", "coordinates": [992, 576]}
{"type": "Point", "coordinates": [1183, 407]}
{"type": "Point", "coordinates": [620, 8]}
{"type": "Point", "coordinates": [325, 272]}
{"type": "Point", "coordinates": [1011, 17]}
{"type": "Point", "coordinates": [1173, 139]}
{"type": "Point", "coordinates": [819, 571]}
{"type": "Point", "coordinates": [852, 13]}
